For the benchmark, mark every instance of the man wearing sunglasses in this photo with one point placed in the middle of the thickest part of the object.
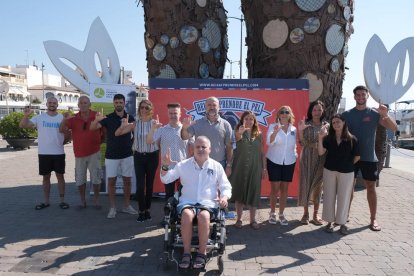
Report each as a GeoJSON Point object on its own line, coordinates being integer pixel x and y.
{"type": "Point", "coordinates": [86, 147]}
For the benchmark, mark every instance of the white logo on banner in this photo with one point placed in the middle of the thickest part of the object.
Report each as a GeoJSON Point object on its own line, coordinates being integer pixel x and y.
{"type": "Point", "coordinates": [230, 104]}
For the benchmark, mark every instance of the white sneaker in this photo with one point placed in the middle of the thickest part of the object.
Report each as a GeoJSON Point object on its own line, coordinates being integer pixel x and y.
{"type": "Point", "coordinates": [130, 210]}
{"type": "Point", "coordinates": [272, 218]}
{"type": "Point", "coordinates": [112, 213]}
{"type": "Point", "coordinates": [282, 219]}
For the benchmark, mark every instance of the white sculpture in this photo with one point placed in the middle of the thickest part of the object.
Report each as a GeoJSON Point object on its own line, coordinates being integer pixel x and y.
{"type": "Point", "coordinates": [98, 42]}
{"type": "Point", "coordinates": [389, 86]}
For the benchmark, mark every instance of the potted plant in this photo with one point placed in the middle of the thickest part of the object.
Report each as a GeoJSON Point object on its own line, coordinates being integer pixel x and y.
{"type": "Point", "coordinates": [18, 138]}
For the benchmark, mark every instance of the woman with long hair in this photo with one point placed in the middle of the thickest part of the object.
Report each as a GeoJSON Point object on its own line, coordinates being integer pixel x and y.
{"type": "Point", "coordinates": [248, 167]}
{"type": "Point", "coordinates": [341, 149]}
{"type": "Point", "coordinates": [146, 158]}
{"type": "Point", "coordinates": [311, 164]}
{"type": "Point", "coordinates": [281, 159]}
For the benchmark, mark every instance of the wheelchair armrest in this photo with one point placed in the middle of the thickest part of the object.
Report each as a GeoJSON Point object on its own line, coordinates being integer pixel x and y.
{"type": "Point", "coordinates": [170, 205]}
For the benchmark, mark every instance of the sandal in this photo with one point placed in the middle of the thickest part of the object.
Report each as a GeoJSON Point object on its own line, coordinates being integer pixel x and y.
{"type": "Point", "coordinates": [305, 220]}
{"type": "Point", "coordinates": [41, 206]}
{"type": "Point", "coordinates": [64, 205]}
{"type": "Point", "coordinates": [238, 224]}
{"type": "Point", "coordinates": [317, 221]}
{"type": "Point", "coordinates": [200, 261]}
{"type": "Point", "coordinates": [344, 230]}
{"type": "Point", "coordinates": [185, 261]}
{"type": "Point", "coordinates": [329, 228]}
{"type": "Point", "coordinates": [374, 227]}
{"type": "Point", "coordinates": [254, 225]}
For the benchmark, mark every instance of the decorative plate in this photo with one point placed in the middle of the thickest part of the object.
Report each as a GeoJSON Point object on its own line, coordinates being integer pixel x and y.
{"type": "Point", "coordinates": [159, 52]}
{"type": "Point", "coordinates": [164, 39]}
{"type": "Point", "coordinates": [174, 42]}
{"type": "Point", "coordinates": [296, 35]}
{"type": "Point", "coordinates": [345, 50]}
{"type": "Point", "coordinates": [334, 65]}
{"type": "Point", "coordinates": [166, 73]}
{"type": "Point", "coordinates": [311, 25]}
{"type": "Point", "coordinates": [204, 44]}
{"type": "Point", "coordinates": [315, 86]}
{"type": "Point", "coordinates": [334, 40]}
{"type": "Point", "coordinates": [217, 54]}
{"type": "Point", "coordinates": [212, 32]}
{"type": "Point", "coordinates": [203, 71]}
{"type": "Point", "coordinates": [202, 3]}
{"type": "Point", "coordinates": [149, 42]}
{"type": "Point", "coordinates": [343, 3]}
{"type": "Point", "coordinates": [310, 5]}
{"type": "Point", "coordinates": [347, 13]}
{"type": "Point", "coordinates": [188, 34]}
{"type": "Point", "coordinates": [331, 9]}
{"type": "Point", "coordinates": [275, 33]}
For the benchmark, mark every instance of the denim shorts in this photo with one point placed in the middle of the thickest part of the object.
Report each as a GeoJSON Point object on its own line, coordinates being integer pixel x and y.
{"type": "Point", "coordinates": [197, 208]}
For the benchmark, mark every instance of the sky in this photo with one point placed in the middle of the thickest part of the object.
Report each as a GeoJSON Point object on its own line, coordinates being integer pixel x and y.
{"type": "Point", "coordinates": [27, 24]}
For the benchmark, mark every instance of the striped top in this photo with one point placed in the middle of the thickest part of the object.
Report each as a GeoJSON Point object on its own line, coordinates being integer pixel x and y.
{"type": "Point", "coordinates": [140, 137]}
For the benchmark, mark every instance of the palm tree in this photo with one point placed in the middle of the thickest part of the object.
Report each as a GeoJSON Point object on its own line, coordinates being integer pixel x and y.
{"type": "Point", "coordinates": [185, 38]}
{"type": "Point", "coordinates": [300, 39]}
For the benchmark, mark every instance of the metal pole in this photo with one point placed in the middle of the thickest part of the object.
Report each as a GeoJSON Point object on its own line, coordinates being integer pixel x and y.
{"type": "Point", "coordinates": [231, 66]}
{"type": "Point", "coordinates": [388, 156]}
{"type": "Point", "coordinates": [241, 45]}
{"type": "Point", "coordinates": [43, 81]}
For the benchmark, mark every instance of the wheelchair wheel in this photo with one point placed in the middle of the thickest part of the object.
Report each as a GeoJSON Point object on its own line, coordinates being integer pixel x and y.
{"type": "Point", "coordinates": [220, 264]}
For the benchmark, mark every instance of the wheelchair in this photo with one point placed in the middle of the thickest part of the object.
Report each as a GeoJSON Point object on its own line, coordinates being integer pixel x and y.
{"type": "Point", "coordinates": [173, 243]}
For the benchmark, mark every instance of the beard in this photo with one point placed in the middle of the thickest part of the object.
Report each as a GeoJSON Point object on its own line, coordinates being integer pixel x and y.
{"type": "Point", "coordinates": [119, 108]}
{"type": "Point", "coordinates": [212, 113]}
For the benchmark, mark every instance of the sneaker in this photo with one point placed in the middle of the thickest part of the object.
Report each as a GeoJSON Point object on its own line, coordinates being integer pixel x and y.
{"type": "Point", "coordinates": [112, 213]}
{"type": "Point", "coordinates": [130, 210]}
{"type": "Point", "coordinates": [272, 218]}
{"type": "Point", "coordinates": [147, 215]}
{"type": "Point", "coordinates": [141, 217]}
{"type": "Point", "coordinates": [282, 219]}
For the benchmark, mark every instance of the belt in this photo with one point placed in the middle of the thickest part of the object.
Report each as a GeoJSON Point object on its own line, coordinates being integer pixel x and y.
{"type": "Point", "coordinates": [145, 153]}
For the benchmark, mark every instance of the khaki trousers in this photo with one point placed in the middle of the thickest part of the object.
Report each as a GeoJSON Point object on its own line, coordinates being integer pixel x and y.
{"type": "Point", "coordinates": [337, 188]}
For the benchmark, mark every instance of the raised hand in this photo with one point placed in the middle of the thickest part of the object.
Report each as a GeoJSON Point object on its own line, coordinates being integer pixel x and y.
{"type": "Point", "coordinates": [27, 111]}
{"type": "Point", "coordinates": [302, 125]}
{"type": "Point", "coordinates": [187, 121]}
{"type": "Point", "coordinates": [156, 123]}
{"type": "Point", "coordinates": [99, 116]}
{"type": "Point", "coordinates": [242, 129]}
{"type": "Point", "coordinates": [323, 132]}
{"type": "Point", "coordinates": [166, 159]}
{"type": "Point", "coordinates": [277, 127]}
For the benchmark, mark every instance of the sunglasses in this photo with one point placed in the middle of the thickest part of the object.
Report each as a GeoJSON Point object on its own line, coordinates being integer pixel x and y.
{"type": "Point", "coordinates": [146, 107]}
{"type": "Point", "coordinates": [284, 112]}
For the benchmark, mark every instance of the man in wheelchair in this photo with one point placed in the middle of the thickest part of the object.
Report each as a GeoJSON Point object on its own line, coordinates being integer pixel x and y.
{"type": "Point", "coordinates": [204, 187]}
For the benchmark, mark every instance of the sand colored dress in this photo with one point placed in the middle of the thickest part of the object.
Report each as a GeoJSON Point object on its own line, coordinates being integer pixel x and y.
{"type": "Point", "coordinates": [311, 165]}
{"type": "Point", "coordinates": [246, 177]}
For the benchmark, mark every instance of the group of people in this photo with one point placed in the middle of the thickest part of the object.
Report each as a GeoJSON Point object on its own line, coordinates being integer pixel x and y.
{"type": "Point", "coordinates": [200, 157]}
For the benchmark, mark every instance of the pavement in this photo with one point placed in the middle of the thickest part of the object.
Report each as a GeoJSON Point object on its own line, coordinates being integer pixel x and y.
{"type": "Point", "coordinates": [84, 242]}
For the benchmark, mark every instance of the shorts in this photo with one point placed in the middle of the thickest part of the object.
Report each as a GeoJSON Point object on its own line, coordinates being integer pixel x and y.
{"type": "Point", "coordinates": [123, 167]}
{"type": "Point", "coordinates": [91, 163]}
{"type": "Point", "coordinates": [278, 172]}
{"type": "Point", "coordinates": [368, 169]}
{"type": "Point", "coordinates": [51, 162]}
{"type": "Point", "coordinates": [197, 208]}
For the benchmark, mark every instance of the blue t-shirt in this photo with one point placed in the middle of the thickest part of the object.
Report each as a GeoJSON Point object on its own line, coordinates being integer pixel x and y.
{"type": "Point", "coordinates": [363, 124]}
{"type": "Point", "coordinates": [117, 147]}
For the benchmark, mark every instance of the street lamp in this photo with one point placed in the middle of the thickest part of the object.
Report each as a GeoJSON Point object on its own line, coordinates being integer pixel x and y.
{"type": "Point", "coordinates": [231, 67]}
{"type": "Point", "coordinates": [43, 81]}
{"type": "Point", "coordinates": [241, 40]}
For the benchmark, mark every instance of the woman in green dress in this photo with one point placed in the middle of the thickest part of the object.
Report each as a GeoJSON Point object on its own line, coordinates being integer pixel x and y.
{"type": "Point", "coordinates": [248, 167]}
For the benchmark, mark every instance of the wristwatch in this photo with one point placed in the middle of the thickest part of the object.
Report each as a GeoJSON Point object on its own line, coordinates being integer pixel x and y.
{"type": "Point", "coordinates": [164, 168]}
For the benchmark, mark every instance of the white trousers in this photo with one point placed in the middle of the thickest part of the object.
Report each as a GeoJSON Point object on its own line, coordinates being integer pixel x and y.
{"type": "Point", "coordinates": [337, 188]}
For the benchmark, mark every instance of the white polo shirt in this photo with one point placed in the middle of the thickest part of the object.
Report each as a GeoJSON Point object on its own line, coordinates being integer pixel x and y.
{"type": "Point", "coordinates": [282, 150]}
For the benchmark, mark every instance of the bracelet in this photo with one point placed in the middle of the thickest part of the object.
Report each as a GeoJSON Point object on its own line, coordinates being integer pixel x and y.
{"type": "Point", "coordinates": [165, 168]}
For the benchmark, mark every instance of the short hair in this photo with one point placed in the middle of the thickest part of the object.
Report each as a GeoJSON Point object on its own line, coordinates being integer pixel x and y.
{"type": "Point", "coordinates": [212, 98]}
{"type": "Point", "coordinates": [205, 138]}
{"type": "Point", "coordinates": [83, 97]}
{"type": "Point", "coordinates": [119, 97]}
{"type": "Point", "coordinates": [173, 105]}
{"type": "Point", "coordinates": [360, 87]}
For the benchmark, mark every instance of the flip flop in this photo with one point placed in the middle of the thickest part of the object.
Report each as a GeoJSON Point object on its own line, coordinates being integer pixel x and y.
{"type": "Point", "coordinates": [238, 224]}
{"type": "Point", "coordinates": [41, 206]}
{"type": "Point", "coordinates": [64, 205]}
{"type": "Point", "coordinates": [374, 227]}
